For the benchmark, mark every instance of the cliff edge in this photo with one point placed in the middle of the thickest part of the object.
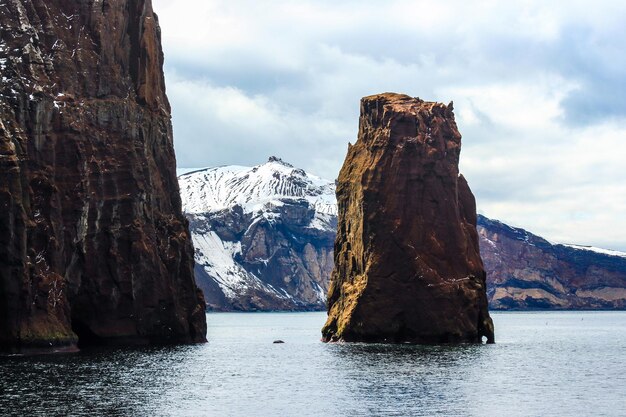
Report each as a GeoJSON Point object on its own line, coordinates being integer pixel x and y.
{"type": "Point", "coordinates": [93, 245]}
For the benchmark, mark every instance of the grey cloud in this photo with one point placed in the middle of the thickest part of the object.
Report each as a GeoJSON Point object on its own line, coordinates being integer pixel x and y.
{"type": "Point", "coordinates": [250, 75]}
{"type": "Point", "coordinates": [598, 99]}
{"type": "Point", "coordinates": [597, 62]}
{"type": "Point", "coordinates": [528, 104]}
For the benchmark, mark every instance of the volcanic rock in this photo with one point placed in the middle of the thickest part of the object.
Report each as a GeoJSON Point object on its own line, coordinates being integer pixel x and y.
{"type": "Point", "coordinates": [407, 260]}
{"type": "Point", "coordinates": [93, 243]}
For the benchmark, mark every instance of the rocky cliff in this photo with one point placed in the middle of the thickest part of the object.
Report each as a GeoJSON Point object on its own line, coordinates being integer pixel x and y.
{"type": "Point", "coordinates": [263, 236]}
{"type": "Point", "coordinates": [528, 272]}
{"type": "Point", "coordinates": [407, 261]}
{"type": "Point", "coordinates": [93, 244]}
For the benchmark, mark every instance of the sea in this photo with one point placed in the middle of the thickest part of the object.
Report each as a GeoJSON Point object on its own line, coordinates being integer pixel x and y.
{"type": "Point", "coordinates": [543, 364]}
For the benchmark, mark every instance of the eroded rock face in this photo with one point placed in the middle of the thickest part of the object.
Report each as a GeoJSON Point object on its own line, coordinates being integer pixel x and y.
{"type": "Point", "coordinates": [407, 261]}
{"type": "Point", "coordinates": [528, 272]}
{"type": "Point", "coordinates": [93, 244]}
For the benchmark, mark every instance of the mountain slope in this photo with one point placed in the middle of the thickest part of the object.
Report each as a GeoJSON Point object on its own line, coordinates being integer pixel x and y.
{"type": "Point", "coordinates": [263, 235]}
{"type": "Point", "coordinates": [215, 189]}
{"type": "Point", "coordinates": [528, 272]}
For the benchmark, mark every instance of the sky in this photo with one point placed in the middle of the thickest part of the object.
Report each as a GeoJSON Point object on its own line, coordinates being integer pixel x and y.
{"type": "Point", "coordinates": [539, 91]}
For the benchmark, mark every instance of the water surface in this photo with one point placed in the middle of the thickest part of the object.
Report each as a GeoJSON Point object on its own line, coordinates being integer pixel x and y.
{"type": "Point", "coordinates": [543, 364]}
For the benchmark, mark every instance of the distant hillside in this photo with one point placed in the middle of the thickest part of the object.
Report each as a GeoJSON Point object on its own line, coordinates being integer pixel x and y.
{"type": "Point", "coordinates": [525, 271]}
{"type": "Point", "coordinates": [264, 240]}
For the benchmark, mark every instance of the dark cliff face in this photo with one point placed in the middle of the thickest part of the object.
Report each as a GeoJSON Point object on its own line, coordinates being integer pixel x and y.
{"type": "Point", "coordinates": [528, 272]}
{"type": "Point", "coordinates": [93, 243]}
{"type": "Point", "coordinates": [407, 261]}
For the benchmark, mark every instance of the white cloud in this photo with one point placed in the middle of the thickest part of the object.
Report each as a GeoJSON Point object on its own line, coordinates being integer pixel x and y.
{"type": "Point", "coordinates": [536, 85]}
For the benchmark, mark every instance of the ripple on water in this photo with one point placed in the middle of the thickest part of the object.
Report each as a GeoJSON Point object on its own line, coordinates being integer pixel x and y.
{"type": "Point", "coordinates": [543, 364]}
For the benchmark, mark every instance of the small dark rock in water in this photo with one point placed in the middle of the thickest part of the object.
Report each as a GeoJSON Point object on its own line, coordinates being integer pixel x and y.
{"type": "Point", "coordinates": [278, 341]}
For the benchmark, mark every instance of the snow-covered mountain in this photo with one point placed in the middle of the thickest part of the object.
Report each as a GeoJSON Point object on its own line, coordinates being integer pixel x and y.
{"type": "Point", "coordinates": [263, 235]}
{"type": "Point", "coordinates": [215, 189]}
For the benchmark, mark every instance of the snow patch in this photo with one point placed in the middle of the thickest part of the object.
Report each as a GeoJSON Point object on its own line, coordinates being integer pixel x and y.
{"type": "Point", "coordinates": [321, 294]}
{"type": "Point", "coordinates": [217, 257]}
{"type": "Point", "coordinates": [609, 252]}
{"type": "Point", "coordinates": [253, 188]}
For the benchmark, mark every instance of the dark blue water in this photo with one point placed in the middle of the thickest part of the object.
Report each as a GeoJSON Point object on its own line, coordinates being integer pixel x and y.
{"type": "Point", "coordinates": [544, 364]}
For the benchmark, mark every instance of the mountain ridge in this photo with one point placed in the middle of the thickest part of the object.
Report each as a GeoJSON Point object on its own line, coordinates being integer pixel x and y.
{"type": "Point", "coordinates": [529, 272]}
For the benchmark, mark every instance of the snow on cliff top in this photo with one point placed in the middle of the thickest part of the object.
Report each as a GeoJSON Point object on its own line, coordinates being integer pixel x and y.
{"type": "Point", "coordinates": [214, 189]}
{"type": "Point", "coordinates": [597, 250]}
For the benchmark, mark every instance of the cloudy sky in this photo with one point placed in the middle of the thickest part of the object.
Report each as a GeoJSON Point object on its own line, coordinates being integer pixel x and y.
{"type": "Point", "coordinates": [539, 91]}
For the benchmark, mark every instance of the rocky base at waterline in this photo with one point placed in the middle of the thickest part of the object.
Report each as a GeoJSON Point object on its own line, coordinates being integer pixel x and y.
{"type": "Point", "coordinates": [93, 244]}
{"type": "Point", "coordinates": [263, 236]}
{"type": "Point", "coordinates": [407, 260]}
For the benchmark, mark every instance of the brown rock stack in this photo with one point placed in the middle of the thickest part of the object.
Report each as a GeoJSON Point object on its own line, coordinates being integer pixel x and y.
{"type": "Point", "coordinates": [93, 244]}
{"type": "Point", "coordinates": [407, 262]}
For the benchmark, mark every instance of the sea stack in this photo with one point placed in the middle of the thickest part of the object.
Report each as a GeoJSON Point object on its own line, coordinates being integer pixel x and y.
{"type": "Point", "coordinates": [407, 260]}
{"type": "Point", "coordinates": [94, 248]}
